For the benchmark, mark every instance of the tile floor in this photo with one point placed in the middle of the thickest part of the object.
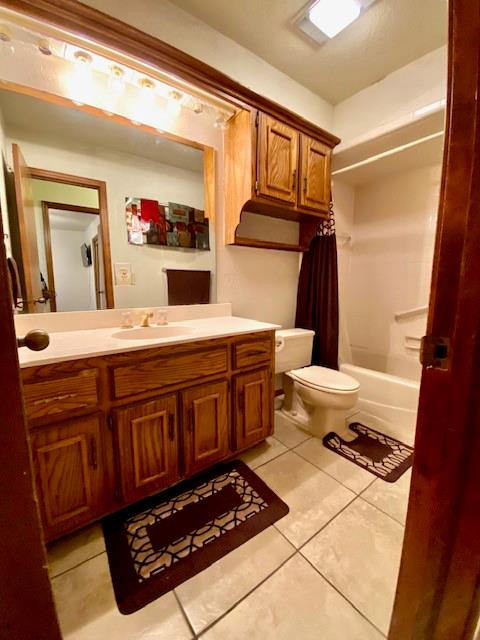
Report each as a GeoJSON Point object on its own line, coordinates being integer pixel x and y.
{"type": "Point", "coordinates": [327, 570]}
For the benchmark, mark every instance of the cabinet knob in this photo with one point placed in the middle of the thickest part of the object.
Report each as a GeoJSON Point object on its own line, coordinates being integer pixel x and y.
{"type": "Point", "coordinates": [36, 340]}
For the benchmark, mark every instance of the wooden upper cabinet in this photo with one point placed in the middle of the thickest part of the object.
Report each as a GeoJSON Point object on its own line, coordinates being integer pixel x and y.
{"type": "Point", "coordinates": [205, 421]}
{"type": "Point", "coordinates": [277, 160]}
{"type": "Point", "coordinates": [147, 453]}
{"type": "Point", "coordinates": [70, 473]}
{"type": "Point", "coordinates": [253, 407]}
{"type": "Point", "coordinates": [314, 179]}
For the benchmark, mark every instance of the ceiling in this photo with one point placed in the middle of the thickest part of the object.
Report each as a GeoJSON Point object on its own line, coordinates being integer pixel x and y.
{"type": "Point", "coordinates": [389, 35]}
{"type": "Point", "coordinates": [58, 122]}
{"type": "Point", "coordinates": [70, 220]}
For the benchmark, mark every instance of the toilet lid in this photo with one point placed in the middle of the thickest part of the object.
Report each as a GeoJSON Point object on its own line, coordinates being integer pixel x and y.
{"type": "Point", "coordinates": [324, 378]}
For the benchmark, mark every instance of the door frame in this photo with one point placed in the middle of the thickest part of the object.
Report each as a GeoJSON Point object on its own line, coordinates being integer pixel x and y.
{"type": "Point", "coordinates": [437, 594]}
{"type": "Point", "coordinates": [47, 237]}
{"type": "Point", "coordinates": [101, 187]}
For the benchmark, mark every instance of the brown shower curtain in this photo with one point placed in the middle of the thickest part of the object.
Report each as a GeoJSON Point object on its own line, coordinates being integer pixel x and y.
{"type": "Point", "coordinates": [317, 296]}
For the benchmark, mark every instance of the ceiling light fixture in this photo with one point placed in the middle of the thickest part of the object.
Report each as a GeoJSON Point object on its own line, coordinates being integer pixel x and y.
{"type": "Point", "coordinates": [325, 19]}
{"type": "Point", "coordinates": [333, 16]}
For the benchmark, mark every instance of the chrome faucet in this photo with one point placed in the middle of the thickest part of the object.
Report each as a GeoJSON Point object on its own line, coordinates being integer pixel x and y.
{"type": "Point", "coordinates": [146, 319]}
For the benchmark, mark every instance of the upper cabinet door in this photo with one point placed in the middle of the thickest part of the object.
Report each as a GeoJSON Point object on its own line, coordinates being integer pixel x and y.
{"type": "Point", "coordinates": [277, 160]}
{"type": "Point", "coordinates": [314, 185]}
{"type": "Point", "coordinates": [147, 437]}
{"type": "Point", "coordinates": [206, 423]}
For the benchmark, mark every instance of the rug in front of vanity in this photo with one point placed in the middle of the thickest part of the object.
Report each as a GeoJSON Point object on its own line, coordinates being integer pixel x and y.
{"type": "Point", "coordinates": [159, 543]}
{"type": "Point", "coordinates": [382, 455]}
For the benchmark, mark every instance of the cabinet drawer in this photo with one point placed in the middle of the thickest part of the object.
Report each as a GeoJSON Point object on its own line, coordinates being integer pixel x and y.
{"type": "Point", "coordinates": [61, 395]}
{"type": "Point", "coordinates": [252, 352]}
{"type": "Point", "coordinates": [166, 371]}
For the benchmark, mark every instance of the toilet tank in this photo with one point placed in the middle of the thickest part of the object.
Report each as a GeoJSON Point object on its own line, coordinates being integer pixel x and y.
{"type": "Point", "coordinates": [293, 349]}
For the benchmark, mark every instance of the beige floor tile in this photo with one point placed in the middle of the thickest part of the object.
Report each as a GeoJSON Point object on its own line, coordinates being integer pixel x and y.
{"type": "Point", "coordinates": [294, 603]}
{"type": "Point", "coordinates": [312, 496]}
{"type": "Point", "coordinates": [343, 470]}
{"type": "Point", "coordinates": [359, 553]}
{"type": "Point", "coordinates": [87, 610]}
{"type": "Point", "coordinates": [212, 592]}
{"type": "Point", "coordinates": [75, 549]}
{"type": "Point", "coordinates": [263, 452]}
{"type": "Point", "coordinates": [287, 432]}
{"type": "Point", "coordinates": [391, 497]}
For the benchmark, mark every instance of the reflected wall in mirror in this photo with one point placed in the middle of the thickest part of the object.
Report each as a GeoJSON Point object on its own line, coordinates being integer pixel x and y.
{"type": "Point", "coordinates": [73, 173]}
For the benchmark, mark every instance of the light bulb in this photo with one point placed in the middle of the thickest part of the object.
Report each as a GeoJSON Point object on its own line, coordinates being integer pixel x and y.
{"type": "Point", "coordinates": [6, 44]}
{"type": "Point", "coordinates": [220, 121]}
{"type": "Point", "coordinates": [173, 104]}
{"type": "Point", "coordinates": [116, 79]}
{"type": "Point", "coordinates": [45, 47]}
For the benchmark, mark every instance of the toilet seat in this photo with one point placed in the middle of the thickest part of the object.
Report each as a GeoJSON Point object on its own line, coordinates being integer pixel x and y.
{"type": "Point", "coordinates": [324, 379]}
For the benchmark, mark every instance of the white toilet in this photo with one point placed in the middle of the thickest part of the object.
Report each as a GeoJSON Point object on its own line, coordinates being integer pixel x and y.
{"type": "Point", "coordinates": [316, 398]}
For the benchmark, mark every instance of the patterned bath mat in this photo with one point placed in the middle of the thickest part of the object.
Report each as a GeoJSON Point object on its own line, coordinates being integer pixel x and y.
{"type": "Point", "coordinates": [157, 544]}
{"type": "Point", "coordinates": [383, 456]}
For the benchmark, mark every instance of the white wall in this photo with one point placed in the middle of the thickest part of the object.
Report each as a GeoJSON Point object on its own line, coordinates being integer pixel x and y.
{"type": "Point", "coordinates": [127, 175]}
{"type": "Point", "coordinates": [182, 30]}
{"type": "Point", "coordinates": [390, 267]}
{"type": "Point", "coordinates": [393, 99]}
{"type": "Point", "coordinates": [72, 279]}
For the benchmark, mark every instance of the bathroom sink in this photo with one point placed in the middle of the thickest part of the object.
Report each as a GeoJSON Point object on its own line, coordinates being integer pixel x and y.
{"type": "Point", "coordinates": [152, 333]}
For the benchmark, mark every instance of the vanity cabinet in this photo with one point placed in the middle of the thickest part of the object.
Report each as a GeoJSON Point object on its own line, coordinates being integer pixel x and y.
{"type": "Point", "coordinates": [277, 170]}
{"type": "Point", "coordinates": [146, 439]}
{"type": "Point", "coordinates": [108, 431]}
{"type": "Point", "coordinates": [206, 425]}
{"type": "Point", "coordinates": [68, 459]}
{"type": "Point", "coordinates": [252, 407]}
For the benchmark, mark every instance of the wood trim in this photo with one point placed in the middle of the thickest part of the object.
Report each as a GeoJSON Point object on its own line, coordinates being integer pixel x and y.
{"type": "Point", "coordinates": [98, 113]}
{"type": "Point", "coordinates": [28, 610]}
{"type": "Point", "coordinates": [101, 187]}
{"type": "Point", "coordinates": [104, 29]}
{"type": "Point", "coordinates": [47, 237]}
{"type": "Point", "coordinates": [96, 272]}
{"type": "Point", "coordinates": [438, 588]}
{"type": "Point", "coordinates": [266, 244]}
{"type": "Point", "coordinates": [71, 207]}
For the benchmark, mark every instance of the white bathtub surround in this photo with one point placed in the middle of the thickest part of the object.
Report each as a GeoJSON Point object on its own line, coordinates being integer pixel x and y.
{"type": "Point", "coordinates": [184, 325]}
{"type": "Point", "coordinates": [390, 268]}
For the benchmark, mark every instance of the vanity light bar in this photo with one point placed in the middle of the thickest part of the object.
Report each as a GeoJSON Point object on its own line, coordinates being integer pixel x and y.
{"type": "Point", "coordinates": [64, 44]}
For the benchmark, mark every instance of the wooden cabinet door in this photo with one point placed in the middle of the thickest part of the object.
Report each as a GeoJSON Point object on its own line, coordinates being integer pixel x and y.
{"type": "Point", "coordinates": [253, 407]}
{"type": "Point", "coordinates": [147, 447]}
{"type": "Point", "coordinates": [70, 473]}
{"type": "Point", "coordinates": [277, 160]}
{"type": "Point", "coordinates": [314, 184]}
{"type": "Point", "coordinates": [206, 423]}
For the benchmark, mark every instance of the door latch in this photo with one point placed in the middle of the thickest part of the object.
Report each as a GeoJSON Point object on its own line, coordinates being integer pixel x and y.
{"type": "Point", "coordinates": [435, 352]}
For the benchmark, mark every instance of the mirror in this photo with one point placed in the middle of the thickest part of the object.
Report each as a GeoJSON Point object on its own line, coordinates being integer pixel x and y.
{"type": "Point", "coordinates": [103, 213]}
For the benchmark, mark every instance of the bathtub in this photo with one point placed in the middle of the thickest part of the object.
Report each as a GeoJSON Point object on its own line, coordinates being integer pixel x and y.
{"type": "Point", "coordinates": [387, 403]}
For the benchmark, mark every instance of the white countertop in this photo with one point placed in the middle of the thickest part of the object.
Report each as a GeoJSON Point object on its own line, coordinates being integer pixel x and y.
{"type": "Point", "coordinates": [89, 343]}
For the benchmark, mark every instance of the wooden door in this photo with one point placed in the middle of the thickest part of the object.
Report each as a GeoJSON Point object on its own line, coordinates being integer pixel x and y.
{"type": "Point", "coordinates": [69, 468]}
{"type": "Point", "coordinates": [205, 419]}
{"type": "Point", "coordinates": [30, 267]}
{"type": "Point", "coordinates": [253, 407]}
{"type": "Point", "coordinates": [314, 182]}
{"type": "Point", "coordinates": [277, 160]}
{"type": "Point", "coordinates": [27, 608]}
{"type": "Point", "coordinates": [147, 439]}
